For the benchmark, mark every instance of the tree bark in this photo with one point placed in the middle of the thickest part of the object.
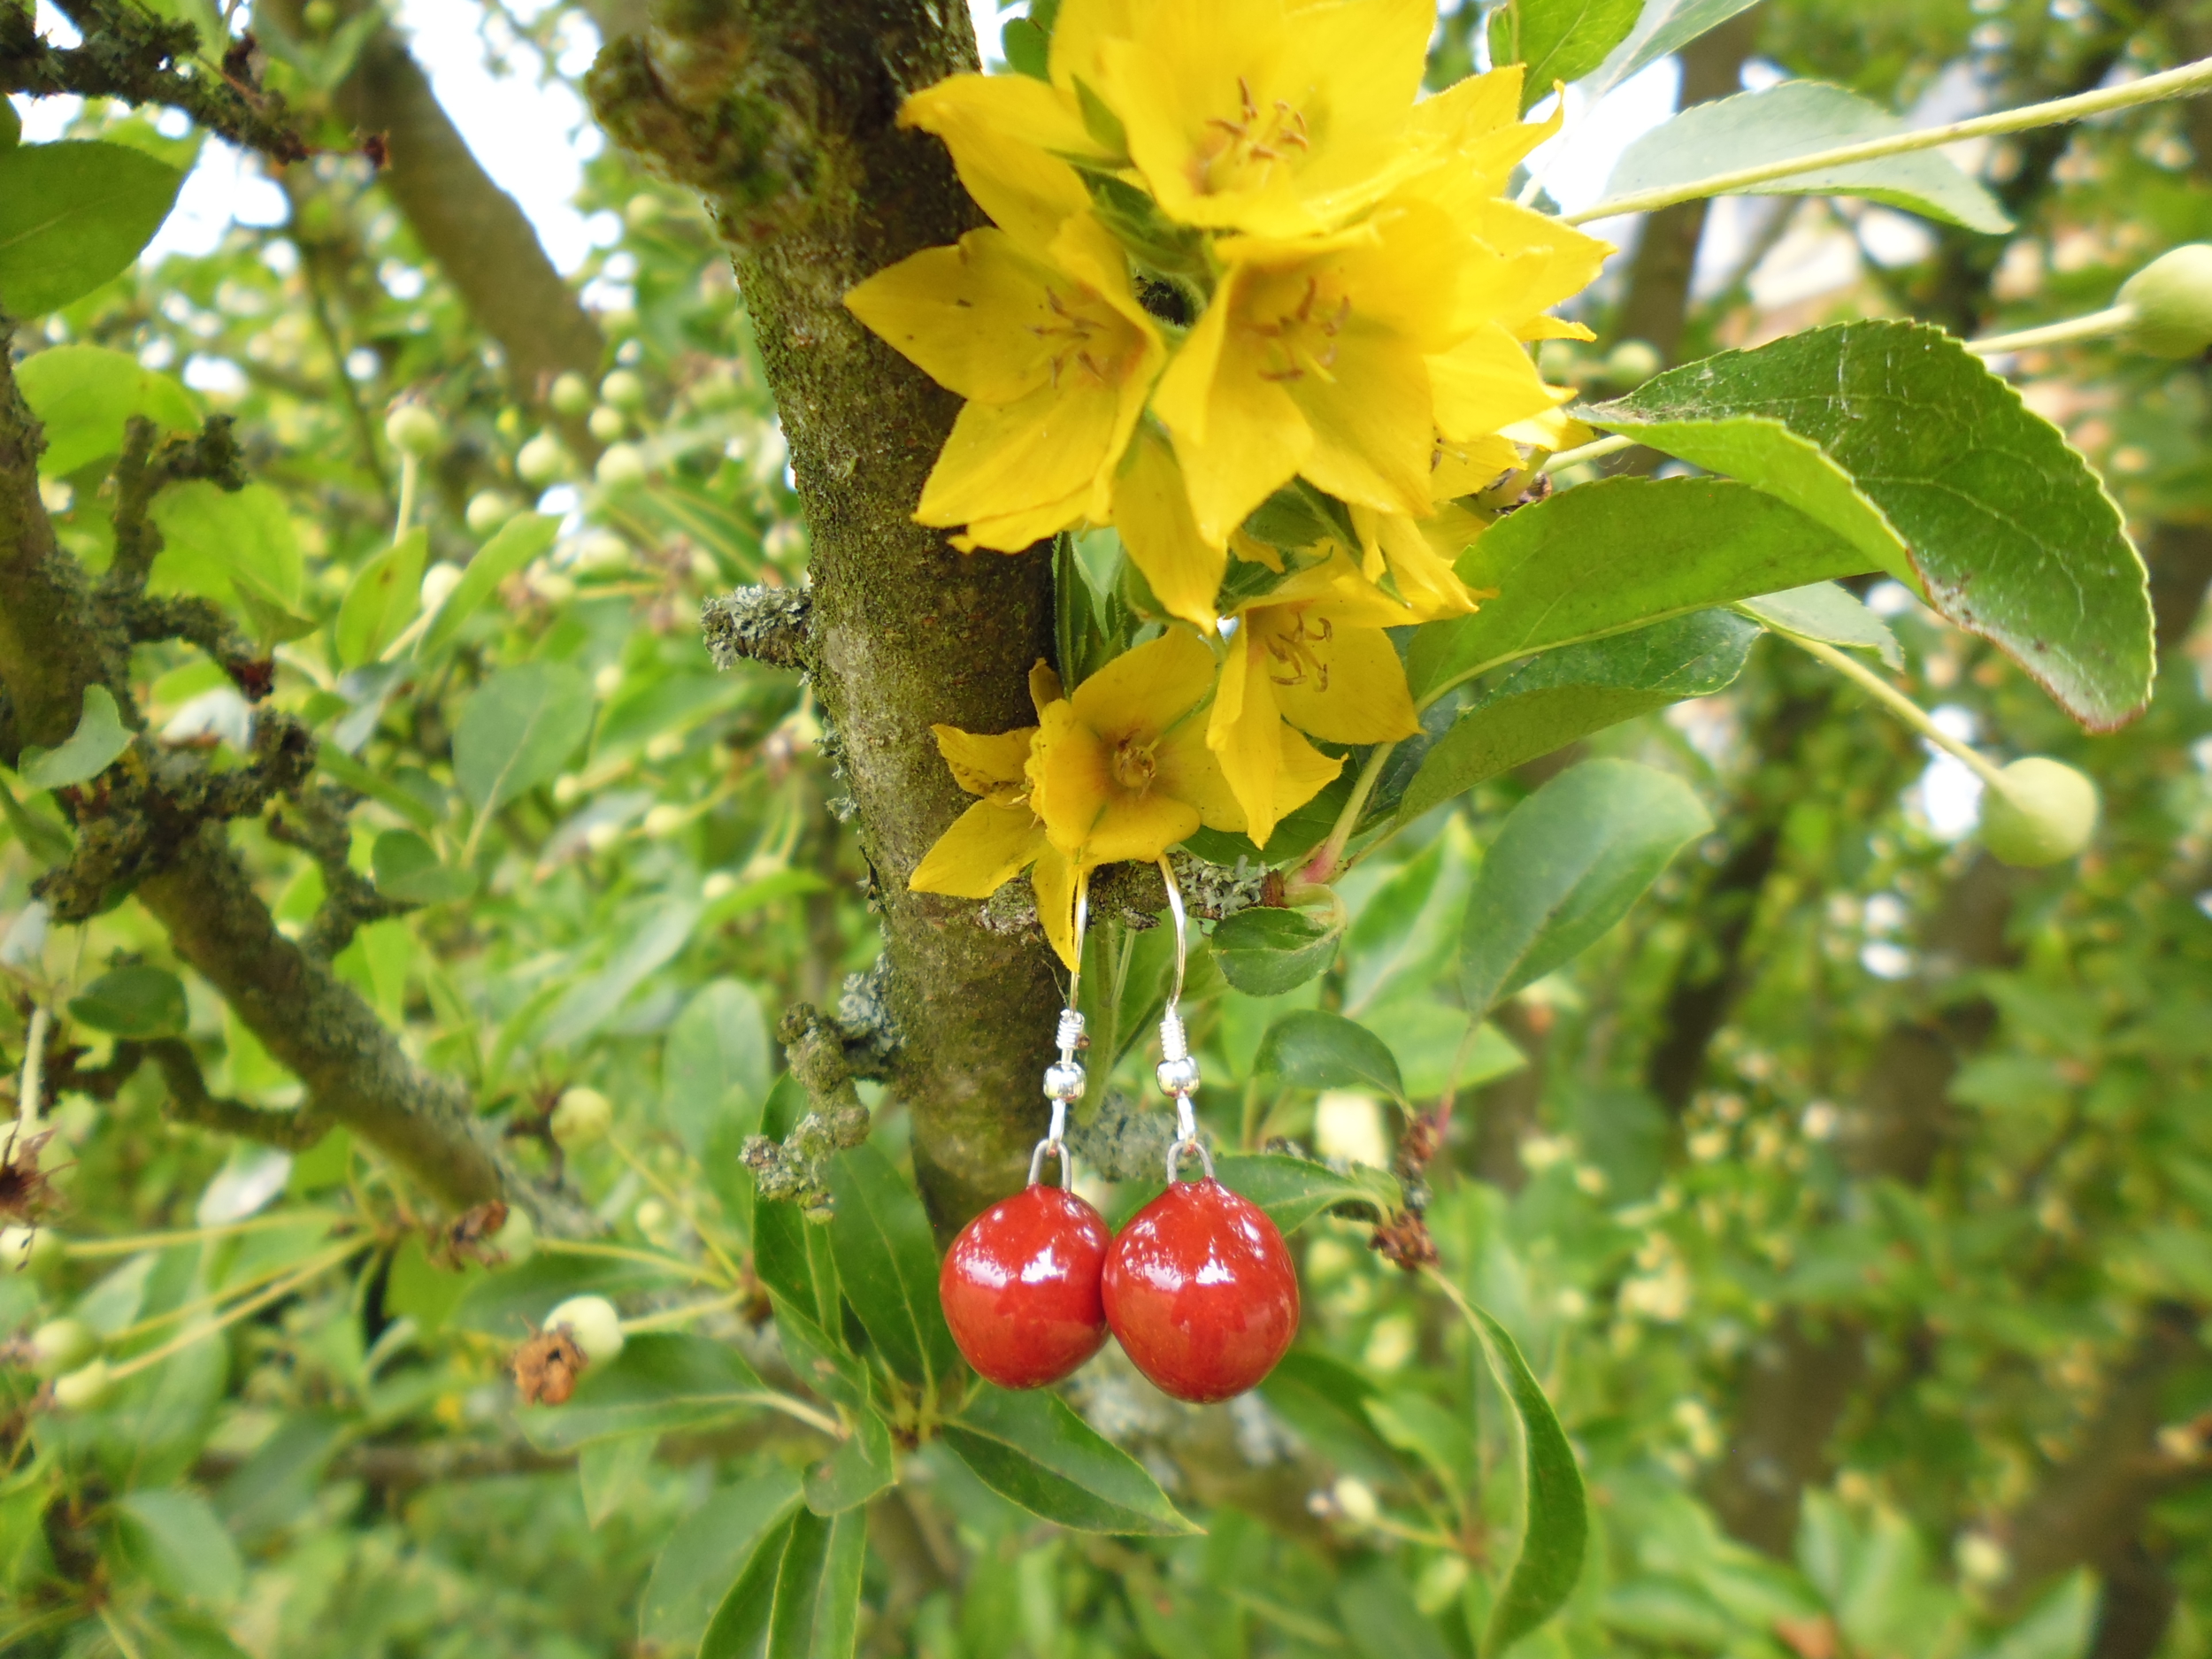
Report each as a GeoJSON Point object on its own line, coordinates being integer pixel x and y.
{"type": "Point", "coordinates": [783, 114]}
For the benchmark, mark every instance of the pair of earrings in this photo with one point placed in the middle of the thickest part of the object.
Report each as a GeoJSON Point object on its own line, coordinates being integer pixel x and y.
{"type": "Point", "coordinates": [1198, 1288]}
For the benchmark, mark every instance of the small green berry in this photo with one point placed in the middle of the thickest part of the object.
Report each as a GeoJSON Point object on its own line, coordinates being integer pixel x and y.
{"type": "Point", "coordinates": [2171, 299]}
{"type": "Point", "coordinates": [542, 460]}
{"type": "Point", "coordinates": [414, 430]}
{"type": "Point", "coordinates": [62, 1345]}
{"type": "Point", "coordinates": [1633, 362]}
{"type": "Point", "coordinates": [593, 1321]}
{"type": "Point", "coordinates": [607, 423]}
{"type": "Point", "coordinates": [438, 583]}
{"type": "Point", "coordinates": [83, 1389]}
{"type": "Point", "coordinates": [581, 1117]}
{"type": "Point", "coordinates": [642, 211]}
{"type": "Point", "coordinates": [623, 388]}
{"type": "Point", "coordinates": [622, 464]}
{"type": "Point", "coordinates": [2044, 814]}
{"type": "Point", "coordinates": [571, 394]}
{"type": "Point", "coordinates": [488, 509]}
{"type": "Point", "coordinates": [601, 553]}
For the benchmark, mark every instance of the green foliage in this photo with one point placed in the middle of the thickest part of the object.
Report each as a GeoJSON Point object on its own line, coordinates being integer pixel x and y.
{"type": "Point", "coordinates": [72, 216]}
{"type": "Point", "coordinates": [1558, 40]}
{"type": "Point", "coordinates": [96, 744]}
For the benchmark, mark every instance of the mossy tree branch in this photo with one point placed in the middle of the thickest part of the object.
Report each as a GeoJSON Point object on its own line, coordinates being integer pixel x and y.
{"type": "Point", "coordinates": [783, 115]}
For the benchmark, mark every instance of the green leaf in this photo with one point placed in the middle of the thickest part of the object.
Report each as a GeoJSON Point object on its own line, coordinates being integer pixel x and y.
{"type": "Point", "coordinates": [519, 730]}
{"type": "Point", "coordinates": [1034, 1451]}
{"type": "Point", "coordinates": [739, 1629]}
{"type": "Point", "coordinates": [85, 397]}
{"type": "Point", "coordinates": [96, 744]}
{"type": "Point", "coordinates": [886, 1262]}
{"type": "Point", "coordinates": [1800, 118]}
{"type": "Point", "coordinates": [381, 599]}
{"type": "Point", "coordinates": [608, 1471]}
{"type": "Point", "coordinates": [793, 1260]}
{"type": "Point", "coordinates": [1377, 1609]}
{"type": "Point", "coordinates": [178, 1541]}
{"type": "Point", "coordinates": [72, 216]}
{"type": "Point", "coordinates": [707, 1552]}
{"type": "Point", "coordinates": [817, 1611]}
{"type": "Point", "coordinates": [1617, 555]}
{"type": "Point", "coordinates": [10, 126]}
{"type": "Point", "coordinates": [661, 1380]}
{"type": "Point", "coordinates": [350, 772]}
{"type": "Point", "coordinates": [1565, 695]}
{"type": "Point", "coordinates": [1310, 1047]}
{"type": "Point", "coordinates": [235, 547]}
{"type": "Point", "coordinates": [507, 1304]}
{"type": "Point", "coordinates": [717, 1066]}
{"type": "Point", "coordinates": [863, 1465]}
{"type": "Point", "coordinates": [1559, 39]}
{"type": "Point", "coordinates": [1294, 1191]}
{"type": "Point", "coordinates": [521, 539]}
{"type": "Point", "coordinates": [407, 869]}
{"type": "Point", "coordinates": [140, 1001]}
{"type": "Point", "coordinates": [1027, 48]}
{"type": "Point", "coordinates": [1555, 1520]}
{"type": "Point", "coordinates": [1666, 26]}
{"type": "Point", "coordinates": [1568, 862]}
{"type": "Point", "coordinates": [1265, 952]}
{"type": "Point", "coordinates": [1830, 614]}
{"type": "Point", "coordinates": [1899, 439]}
{"type": "Point", "coordinates": [2061, 1625]}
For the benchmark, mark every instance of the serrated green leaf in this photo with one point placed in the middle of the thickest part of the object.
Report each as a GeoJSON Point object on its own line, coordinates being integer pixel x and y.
{"type": "Point", "coordinates": [1558, 40]}
{"type": "Point", "coordinates": [661, 1380]}
{"type": "Point", "coordinates": [887, 1263]}
{"type": "Point", "coordinates": [235, 547]}
{"type": "Point", "coordinates": [1803, 117]}
{"type": "Point", "coordinates": [72, 215]}
{"type": "Point", "coordinates": [521, 539]}
{"type": "Point", "coordinates": [407, 868]}
{"type": "Point", "coordinates": [1265, 952]}
{"type": "Point", "coordinates": [85, 397]}
{"type": "Point", "coordinates": [1896, 436]}
{"type": "Point", "coordinates": [1828, 613]}
{"type": "Point", "coordinates": [1666, 26]}
{"type": "Point", "coordinates": [1310, 1047]}
{"type": "Point", "coordinates": [383, 596]}
{"type": "Point", "coordinates": [519, 730]}
{"type": "Point", "coordinates": [99, 740]}
{"type": "Point", "coordinates": [1034, 1451]}
{"type": "Point", "coordinates": [139, 1000]}
{"type": "Point", "coordinates": [1617, 555]}
{"type": "Point", "coordinates": [1566, 866]}
{"type": "Point", "coordinates": [1564, 695]}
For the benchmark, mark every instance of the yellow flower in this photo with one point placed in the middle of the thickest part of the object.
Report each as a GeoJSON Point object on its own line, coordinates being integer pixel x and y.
{"type": "Point", "coordinates": [1007, 135]}
{"type": "Point", "coordinates": [1000, 835]}
{"type": "Point", "coordinates": [1312, 655]}
{"type": "Point", "coordinates": [1153, 516]}
{"type": "Point", "coordinates": [1055, 358]}
{"type": "Point", "coordinates": [1121, 771]}
{"type": "Point", "coordinates": [1262, 116]}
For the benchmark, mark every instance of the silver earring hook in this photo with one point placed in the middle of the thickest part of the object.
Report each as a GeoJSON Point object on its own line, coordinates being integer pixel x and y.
{"type": "Point", "coordinates": [1178, 1071]}
{"type": "Point", "coordinates": [1065, 1079]}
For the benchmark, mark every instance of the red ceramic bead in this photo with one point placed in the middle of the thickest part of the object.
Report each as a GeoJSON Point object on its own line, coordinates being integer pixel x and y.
{"type": "Point", "coordinates": [1020, 1287]}
{"type": "Point", "coordinates": [1201, 1292]}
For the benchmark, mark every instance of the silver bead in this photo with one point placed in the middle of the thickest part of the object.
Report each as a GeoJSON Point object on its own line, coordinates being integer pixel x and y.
{"type": "Point", "coordinates": [1178, 1076]}
{"type": "Point", "coordinates": [1064, 1080]}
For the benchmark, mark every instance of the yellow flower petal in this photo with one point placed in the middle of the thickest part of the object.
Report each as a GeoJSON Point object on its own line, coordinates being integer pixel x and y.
{"type": "Point", "coordinates": [1189, 769]}
{"type": "Point", "coordinates": [1241, 730]}
{"type": "Point", "coordinates": [1137, 827]}
{"type": "Point", "coordinates": [1082, 27]}
{"type": "Point", "coordinates": [1142, 693]}
{"type": "Point", "coordinates": [1044, 684]}
{"type": "Point", "coordinates": [1152, 511]}
{"type": "Point", "coordinates": [987, 847]}
{"type": "Point", "coordinates": [1007, 133]}
{"type": "Point", "coordinates": [1107, 775]}
{"type": "Point", "coordinates": [968, 315]}
{"type": "Point", "coordinates": [1071, 777]}
{"type": "Point", "coordinates": [1011, 461]}
{"type": "Point", "coordinates": [1423, 555]}
{"type": "Point", "coordinates": [994, 765]}
{"type": "Point", "coordinates": [1018, 532]}
{"type": "Point", "coordinates": [1471, 467]}
{"type": "Point", "coordinates": [1340, 681]}
{"type": "Point", "coordinates": [1486, 383]}
{"type": "Point", "coordinates": [1054, 878]}
{"type": "Point", "coordinates": [1303, 772]}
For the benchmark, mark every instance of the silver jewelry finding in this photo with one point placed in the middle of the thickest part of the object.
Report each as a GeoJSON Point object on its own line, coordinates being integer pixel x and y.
{"type": "Point", "coordinates": [1065, 1079]}
{"type": "Point", "coordinates": [1178, 1071]}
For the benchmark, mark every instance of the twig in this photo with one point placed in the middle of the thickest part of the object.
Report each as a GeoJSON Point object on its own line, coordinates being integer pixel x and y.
{"type": "Point", "coordinates": [27, 1098]}
{"type": "Point", "coordinates": [1903, 707]}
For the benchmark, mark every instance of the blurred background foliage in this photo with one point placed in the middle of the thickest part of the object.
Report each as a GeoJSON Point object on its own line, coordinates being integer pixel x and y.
{"type": "Point", "coordinates": [1849, 1200]}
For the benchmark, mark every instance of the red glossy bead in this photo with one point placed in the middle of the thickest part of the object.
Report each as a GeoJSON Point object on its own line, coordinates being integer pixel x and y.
{"type": "Point", "coordinates": [1201, 1292]}
{"type": "Point", "coordinates": [1020, 1287]}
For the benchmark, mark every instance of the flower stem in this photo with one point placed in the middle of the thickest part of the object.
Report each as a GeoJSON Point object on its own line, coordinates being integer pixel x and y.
{"type": "Point", "coordinates": [2096, 326]}
{"type": "Point", "coordinates": [1325, 865]}
{"type": "Point", "coordinates": [683, 1207]}
{"type": "Point", "coordinates": [27, 1095]}
{"type": "Point", "coordinates": [1596, 451]}
{"type": "Point", "coordinates": [1903, 707]}
{"type": "Point", "coordinates": [2174, 83]}
{"type": "Point", "coordinates": [314, 1269]}
{"type": "Point", "coordinates": [695, 1272]}
{"type": "Point", "coordinates": [669, 1318]}
{"type": "Point", "coordinates": [131, 1244]}
{"type": "Point", "coordinates": [410, 468]}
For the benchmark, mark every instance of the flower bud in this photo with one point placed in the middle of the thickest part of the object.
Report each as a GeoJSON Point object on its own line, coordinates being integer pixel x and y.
{"type": "Point", "coordinates": [622, 464]}
{"type": "Point", "coordinates": [571, 394]}
{"type": "Point", "coordinates": [607, 423]}
{"type": "Point", "coordinates": [488, 509]}
{"type": "Point", "coordinates": [542, 460]}
{"type": "Point", "coordinates": [83, 1389]}
{"type": "Point", "coordinates": [593, 1321]}
{"type": "Point", "coordinates": [2171, 299]}
{"type": "Point", "coordinates": [623, 388]}
{"type": "Point", "coordinates": [414, 430]}
{"type": "Point", "coordinates": [438, 583]}
{"type": "Point", "coordinates": [582, 1115]}
{"type": "Point", "coordinates": [2044, 814]}
{"type": "Point", "coordinates": [62, 1345]}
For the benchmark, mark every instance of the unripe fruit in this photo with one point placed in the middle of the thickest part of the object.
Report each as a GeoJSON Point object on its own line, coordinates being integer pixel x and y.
{"type": "Point", "coordinates": [664, 820]}
{"type": "Point", "coordinates": [581, 1117]}
{"type": "Point", "coordinates": [414, 430]}
{"type": "Point", "coordinates": [640, 211]}
{"type": "Point", "coordinates": [320, 16]}
{"type": "Point", "coordinates": [1201, 1293]}
{"type": "Point", "coordinates": [83, 1389]}
{"type": "Point", "coordinates": [623, 388]}
{"type": "Point", "coordinates": [552, 586]}
{"type": "Point", "coordinates": [62, 1345]}
{"type": "Point", "coordinates": [517, 1239]}
{"type": "Point", "coordinates": [593, 1321]}
{"type": "Point", "coordinates": [720, 885]}
{"type": "Point", "coordinates": [1633, 362]}
{"type": "Point", "coordinates": [571, 394]}
{"type": "Point", "coordinates": [1020, 1287]}
{"type": "Point", "coordinates": [2171, 299]}
{"type": "Point", "coordinates": [438, 583]}
{"type": "Point", "coordinates": [488, 509]}
{"type": "Point", "coordinates": [607, 423]}
{"type": "Point", "coordinates": [28, 1249]}
{"type": "Point", "coordinates": [622, 464]}
{"type": "Point", "coordinates": [608, 681]}
{"type": "Point", "coordinates": [2045, 814]}
{"type": "Point", "coordinates": [601, 553]}
{"type": "Point", "coordinates": [542, 460]}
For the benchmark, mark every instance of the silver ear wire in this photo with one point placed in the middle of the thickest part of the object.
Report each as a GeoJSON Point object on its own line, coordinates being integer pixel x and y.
{"type": "Point", "coordinates": [1065, 1079]}
{"type": "Point", "coordinates": [1178, 1071]}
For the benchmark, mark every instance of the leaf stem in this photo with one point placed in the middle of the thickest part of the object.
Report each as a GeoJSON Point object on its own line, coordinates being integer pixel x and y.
{"type": "Point", "coordinates": [683, 1207]}
{"type": "Point", "coordinates": [131, 1244]}
{"type": "Point", "coordinates": [27, 1095]}
{"type": "Point", "coordinates": [669, 1318]}
{"type": "Point", "coordinates": [2185, 82]}
{"type": "Point", "coordinates": [693, 1271]}
{"type": "Point", "coordinates": [410, 467]}
{"type": "Point", "coordinates": [2096, 326]}
{"type": "Point", "coordinates": [1903, 707]}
